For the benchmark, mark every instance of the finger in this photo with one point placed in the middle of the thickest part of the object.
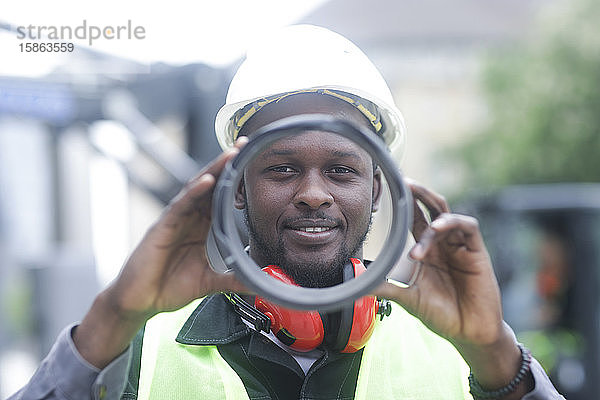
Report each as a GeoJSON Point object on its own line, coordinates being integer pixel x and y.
{"type": "Point", "coordinates": [455, 229]}
{"type": "Point", "coordinates": [185, 202]}
{"type": "Point", "coordinates": [216, 166]}
{"type": "Point", "coordinates": [423, 245]}
{"type": "Point", "coordinates": [408, 298]}
{"type": "Point", "coordinates": [435, 203]}
{"type": "Point", "coordinates": [385, 291]}
{"type": "Point", "coordinates": [228, 282]}
{"type": "Point", "coordinates": [420, 222]}
{"type": "Point", "coordinates": [465, 225]}
{"type": "Point", "coordinates": [241, 142]}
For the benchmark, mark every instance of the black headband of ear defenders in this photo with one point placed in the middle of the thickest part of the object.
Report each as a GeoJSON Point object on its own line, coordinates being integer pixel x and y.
{"type": "Point", "coordinates": [368, 109]}
{"type": "Point", "coordinates": [226, 244]}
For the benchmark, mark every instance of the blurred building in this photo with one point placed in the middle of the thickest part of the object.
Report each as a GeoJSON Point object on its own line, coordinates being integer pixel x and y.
{"type": "Point", "coordinates": [431, 53]}
{"type": "Point", "coordinates": [80, 183]}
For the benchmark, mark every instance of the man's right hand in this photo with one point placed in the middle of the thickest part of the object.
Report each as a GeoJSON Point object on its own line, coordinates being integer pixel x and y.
{"type": "Point", "coordinates": [166, 271]}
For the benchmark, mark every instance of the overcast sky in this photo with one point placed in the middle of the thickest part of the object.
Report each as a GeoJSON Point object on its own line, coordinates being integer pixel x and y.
{"type": "Point", "coordinates": [175, 32]}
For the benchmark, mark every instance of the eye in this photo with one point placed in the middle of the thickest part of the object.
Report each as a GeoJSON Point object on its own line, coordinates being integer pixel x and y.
{"type": "Point", "coordinates": [284, 169]}
{"type": "Point", "coordinates": [338, 169]}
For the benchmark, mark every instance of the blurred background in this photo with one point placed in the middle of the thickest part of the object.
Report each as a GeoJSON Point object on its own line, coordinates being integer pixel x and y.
{"type": "Point", "coordinates": [501, 99]}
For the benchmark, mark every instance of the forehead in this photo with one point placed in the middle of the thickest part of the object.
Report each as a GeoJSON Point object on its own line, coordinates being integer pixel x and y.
{"type": "Point", "coordinates": [316, 146]}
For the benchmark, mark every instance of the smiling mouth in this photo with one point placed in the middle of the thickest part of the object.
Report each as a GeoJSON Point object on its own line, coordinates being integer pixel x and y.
{"type": "Point", "coordinates": [313, 229]}
{"type": "Point", "coordinates": [312, 225]}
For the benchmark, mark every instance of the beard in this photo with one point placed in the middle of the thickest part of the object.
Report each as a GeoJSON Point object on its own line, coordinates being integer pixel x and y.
{"type": "Point", "coordinates": [313, 274]}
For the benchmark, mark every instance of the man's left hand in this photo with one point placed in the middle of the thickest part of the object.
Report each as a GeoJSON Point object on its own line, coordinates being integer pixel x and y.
{"type": "Point", "coordinates": [456, 293]}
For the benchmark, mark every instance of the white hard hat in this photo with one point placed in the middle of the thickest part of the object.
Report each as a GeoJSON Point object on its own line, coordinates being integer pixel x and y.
{"type": "Point", "coordinates": [307, 58]}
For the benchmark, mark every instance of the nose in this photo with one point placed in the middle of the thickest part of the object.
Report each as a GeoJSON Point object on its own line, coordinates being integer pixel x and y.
{"type": "Point", "coordinates": [313, 192]}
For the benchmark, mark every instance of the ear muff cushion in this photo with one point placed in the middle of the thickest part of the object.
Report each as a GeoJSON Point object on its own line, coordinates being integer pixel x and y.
{"type": "Point", "coordinates": [363, 324]}
{"type": "Point", "coordinates": [300, 330]}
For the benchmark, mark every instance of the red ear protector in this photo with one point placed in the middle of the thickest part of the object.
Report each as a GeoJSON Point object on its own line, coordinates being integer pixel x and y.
{"type": "Point", "coordinates": [346, 330]}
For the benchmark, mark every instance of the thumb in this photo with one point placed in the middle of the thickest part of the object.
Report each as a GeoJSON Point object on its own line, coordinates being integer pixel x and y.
{"type": "Point", "coordinates": [407, 297]}
{"type": "Point", "coordinates": [228, 282]}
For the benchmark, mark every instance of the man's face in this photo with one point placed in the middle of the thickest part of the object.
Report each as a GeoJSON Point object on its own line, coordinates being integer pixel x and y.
{"type": "Point", "coordinates": [308, 198]}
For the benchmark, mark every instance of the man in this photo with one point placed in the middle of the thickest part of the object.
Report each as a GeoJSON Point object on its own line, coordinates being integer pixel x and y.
{"type": "Point", "coordinates": [308, 202]}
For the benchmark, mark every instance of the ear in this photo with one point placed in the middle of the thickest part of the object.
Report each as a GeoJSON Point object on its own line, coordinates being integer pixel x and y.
{"type": "Point", "coordinates": [377, 189]}
{"type": "Point", "coordinates": [240, 196]}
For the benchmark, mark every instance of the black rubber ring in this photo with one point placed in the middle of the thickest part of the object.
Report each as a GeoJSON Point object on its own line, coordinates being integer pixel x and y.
{"type": "Point", "coordinates": [230, 246]}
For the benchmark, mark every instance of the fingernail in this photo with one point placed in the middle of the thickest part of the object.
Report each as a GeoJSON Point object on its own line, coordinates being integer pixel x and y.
{"type": "Point", "coordinates": [438, 223]}
{"type": "Point", "coordinates": [206, 178]}
{"type": "Point", "coordinates": [410, 257]}
{"type": "Point", "coordinates": [241, 140]}
{"type": "Point", "coordinates": [416, 252]}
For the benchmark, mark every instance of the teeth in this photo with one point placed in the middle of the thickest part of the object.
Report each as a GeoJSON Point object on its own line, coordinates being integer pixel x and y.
{"type": "Point", "coordinates": [315, 229]}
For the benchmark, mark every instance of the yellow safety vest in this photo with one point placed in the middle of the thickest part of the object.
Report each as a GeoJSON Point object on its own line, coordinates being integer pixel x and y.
{"type": "Point", "coordinates": [402, 360]}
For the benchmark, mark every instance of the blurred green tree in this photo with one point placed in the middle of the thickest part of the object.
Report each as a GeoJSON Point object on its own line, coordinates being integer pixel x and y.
{"type": "Point", "coordinates": [544, 104]}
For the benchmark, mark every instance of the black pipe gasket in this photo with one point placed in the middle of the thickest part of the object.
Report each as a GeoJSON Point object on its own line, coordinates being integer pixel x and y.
{"type": "Point", "coordinates": [229, 245]}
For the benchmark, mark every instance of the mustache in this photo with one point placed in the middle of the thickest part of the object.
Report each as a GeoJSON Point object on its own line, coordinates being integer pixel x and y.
{"type": "Point", "coordinates": [319, 214]}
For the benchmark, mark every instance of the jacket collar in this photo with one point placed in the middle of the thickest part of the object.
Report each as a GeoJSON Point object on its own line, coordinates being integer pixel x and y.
{"type": "Point", "coordinates": [213, 322]}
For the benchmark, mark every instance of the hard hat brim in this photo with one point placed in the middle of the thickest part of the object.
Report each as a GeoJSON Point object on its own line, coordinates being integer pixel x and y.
{"type": "Point", "coordinates": [393, 132]}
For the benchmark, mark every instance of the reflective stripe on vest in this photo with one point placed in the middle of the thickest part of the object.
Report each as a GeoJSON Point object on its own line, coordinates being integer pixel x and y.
{"type": "Point", "coordinates": [402, 360]}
